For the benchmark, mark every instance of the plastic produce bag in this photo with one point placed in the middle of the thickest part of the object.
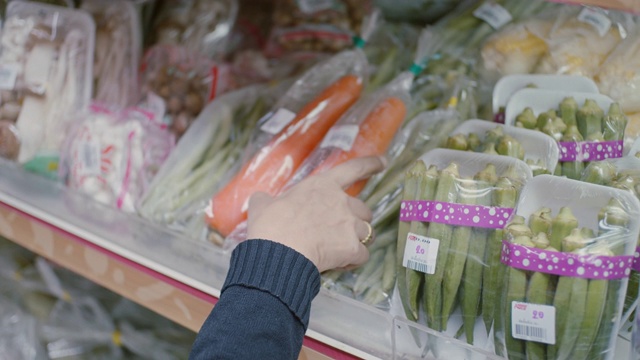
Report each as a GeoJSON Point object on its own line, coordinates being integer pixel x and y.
{"type": "Point", "coordinates": [184, 81]}
{"type": "Point", "coordinates": [538, 150]}
{"type": "Point", "coordinates": [112, 156]}
{"type": "Point", "coordinates": [84, 328]}
{"type": "Point", "coordinates": [315, 26]}
{"type": "Point", "coordinates": [201, 26]}
{"type": "Point", "coordinates": [18, 333]}
{"type": "Point", "coordinates": [424, 11]}
{"type": "Point", "coordinates": [566, 257]}
{"type": "Point", "coordinates": [197, 167]}
{"type": "Point", "coordinates": [47, 70]}
{"type": "Point", "coordinates": [455, 206]}
{"type": "Point", "coordinates": [619, 75]}
{"type": "Point", "coordinates": [290, 132]}
{"type": "Point", "coordinates": [117, 51]}
{"type": "Point", "coordinates": [581, 38]}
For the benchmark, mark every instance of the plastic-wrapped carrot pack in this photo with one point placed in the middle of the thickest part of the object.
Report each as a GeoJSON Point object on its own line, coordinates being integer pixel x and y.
{"type": "Point", "coordinates": [287, 135]}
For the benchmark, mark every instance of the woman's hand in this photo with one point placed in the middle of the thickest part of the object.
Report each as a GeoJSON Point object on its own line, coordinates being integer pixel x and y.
{"type": "Point", "coordinates": [317, 218]}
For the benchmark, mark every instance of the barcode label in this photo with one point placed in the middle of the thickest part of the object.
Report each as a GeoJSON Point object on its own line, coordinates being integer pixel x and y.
{"type": "Point", "coordinates": [531, 332]}
{"type": "Point", "coordinates": [598, 20]}
{"type": "Point", "coordinates": [533, 322]}
{"type": "Point", "coordinates": [8, 76]}
{"type": "Point", "coordinates": [89, 157]}
{"type": "Point", "coordinates": [278, 121]}
{"type": "Point", "coordinates": [493, 14]}
{"type": "Point", "coordinates": [313, 6]}
{"type": "Point", "coordinates": [341, 137]}
{"type": "Point", "coordinates": [427, 269]}
{"type": "Point", "coordinates": [421, 253]}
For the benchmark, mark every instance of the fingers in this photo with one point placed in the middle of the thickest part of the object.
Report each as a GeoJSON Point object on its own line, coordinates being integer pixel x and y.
{"type": "Point", "coordinates": [351, 171]}
{"type": "Point", "coordinates": [359, 209]}
{"type": "Point", "coordinates": [361, 256]}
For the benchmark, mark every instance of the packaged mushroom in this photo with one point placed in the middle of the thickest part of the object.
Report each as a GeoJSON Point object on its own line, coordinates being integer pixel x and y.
{"type": "Point", "coordinates": [184, 80]}
{"type": "Point", "coordinates": [316, 26]}
{"type": "Point", "coordinates": [118, 47]}
{"type": "Point", "coordinates": [202, 26]}
{"type": "Point", "coordinates": [45, 76]}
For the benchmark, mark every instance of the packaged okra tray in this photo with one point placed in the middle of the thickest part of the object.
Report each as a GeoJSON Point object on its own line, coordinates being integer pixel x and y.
{"type": "Point", "coordinates": [588, 127]}
{"type": "Point", "coordinates": [454, 207]}
{"type": "Point", "coordinates": [566, 258]}
{"type": "Point", "coordinates": [539, 151]}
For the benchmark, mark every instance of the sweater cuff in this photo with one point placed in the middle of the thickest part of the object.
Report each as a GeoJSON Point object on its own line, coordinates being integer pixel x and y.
{"type": "Point", "coordinates": [277, 269]}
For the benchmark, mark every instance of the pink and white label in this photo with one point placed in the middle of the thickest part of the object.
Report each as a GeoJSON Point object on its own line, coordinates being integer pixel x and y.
{"type": "Point", "coordinates": [566, 264]}
{"type": "Point", "coordinates": [636, 260]}
{"type": "Point", "coordinates": [490, 217]}
{"type": "Point", "coordinates": [590, 151]}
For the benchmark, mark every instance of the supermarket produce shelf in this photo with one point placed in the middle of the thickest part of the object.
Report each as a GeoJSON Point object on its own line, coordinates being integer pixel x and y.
{"type": "Point", "coordinates": [625, 5]}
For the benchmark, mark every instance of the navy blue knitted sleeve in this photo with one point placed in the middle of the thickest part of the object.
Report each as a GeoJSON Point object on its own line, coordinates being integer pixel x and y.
{"type": "Point", "coordinates": [263, 311]}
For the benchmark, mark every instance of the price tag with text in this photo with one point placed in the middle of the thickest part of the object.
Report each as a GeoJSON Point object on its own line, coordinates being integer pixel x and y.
{"type": "Point", "coordinates": [421, 253]}
{"type": "Point", "coordinates": [533, 322]}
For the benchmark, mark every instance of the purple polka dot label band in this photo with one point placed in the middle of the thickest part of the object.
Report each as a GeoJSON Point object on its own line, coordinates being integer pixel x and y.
{"type": "Point", "coordinates": [566, 264]}
{"type": "Point", "coordinates": [489, 217]}
{"type": "Point", "coordinates": [590, 151]}
{"type": "Point", "coordinates": [636, 260]}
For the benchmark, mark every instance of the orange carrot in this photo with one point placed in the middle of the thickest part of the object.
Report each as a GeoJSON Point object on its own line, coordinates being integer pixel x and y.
{"type": "Point", "coordinates": [374, 137]}
{"type": "Point", "coordinates": [272, 166]}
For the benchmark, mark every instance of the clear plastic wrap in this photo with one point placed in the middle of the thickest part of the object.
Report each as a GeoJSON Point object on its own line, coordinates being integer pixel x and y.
{"type": "Point", "coordinates": [538, 150]}
{"type": "Point", "coordinates": [112, 156]}
{"type": "Point", "coordinates": [18, 333]}
{"type": "Point", "coordinates": [290, 132]}
{"type": "Point", "coordinates": [315, 26]}
{"type": "Point", "coordinates": [566, 257]}
{"type": "Point", "coordinates": [201, 26]}
{"type": "Point", "coordinates": [619, 75]}
{"type": "Point", "coordinates": [454, 207]}
{"type": "Point", "coordinates": [581, 38]}
{"type": "Point", "coordinates": [624, 174]}
{"type": "Point", "coordinates": [587, 127]}
{"type": "Point", "coordinates": [424, 11]}
{"type": "Point", "coordinates": [47, 72]}
{"type": "Point", "coordinates": [117, 51]}
{"type": "Point", "coordinates": [184, 81]}
{"type": "Point", "coordinates": [197, 167]}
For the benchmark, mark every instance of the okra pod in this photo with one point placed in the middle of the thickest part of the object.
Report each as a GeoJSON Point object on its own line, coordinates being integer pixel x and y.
{"type": "Point", "coordinates": [527, 118]}
{"type": "Point", "coordinates": [576, 309]}
{"type": "Point", "coordinates": [371, 272]}
{"type": "Point", "coordinates": [599, 172]}
{"type": "Point", "coordinates": [595, 307]}
{"type": "Point", "coordinates": [540, 285]}
{"type": "Point", "coordinates": [474, 266]}
{"type": "Point", "coordinates": [389, 274]}
{"type": "Point", "coordinates": [572, 169]}
{"type": "Point", "coordinates": [516, 291]}
{"type": "Point", "coordinates": [504, 195]}
{"type": "Point", "coordinates": [540, 221]}
{"type": "Point", "coordinates": [589, 118]}
{"type": "Point", "coordinates": [473, 142]}
{"type": "Point", "coordinates": [457, 142]}
{"type": "Point", "coordinates": [614, 123]}
{"type": "Point", "coordinates": [427, 183]}
{"type": "Point", "coordinates": [490, 148]}
{"type": "Point", "coordinates": [409, 193]}
{"type": "Point", "coordinates": [493, 135]}
{"type": "Point", "coordinates": [568, 109]}
{"type": "Point", "coordinates": [446, 192]}
{"type": "Point", "coordinates": [509, 146]}
{"type": "Point", "coordinates": [457, 256]}
{"type": "Point", "coordinates": [561, 226]}
{"type": "Point", "coordinates": [544, 119]}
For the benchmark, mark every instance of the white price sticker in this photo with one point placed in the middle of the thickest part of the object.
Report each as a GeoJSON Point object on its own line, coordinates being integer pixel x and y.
{"type": "Point", "coordinates": [421, 253]}
{"type": "Point", "coordinates": [89, 157]}
{"type": "Point", "coordinates": [313, 6]}
{"type": "Point", "coordinates": [8, 76]}
{"type": "Point", "coordinates": [533, 322]}
{"type": "Point", "coordinates": [278, 121]}
{"type": "Point", "coordinates": [341, 136]}
{"type": "Point", "coordinates": [493, 14]}
{"type": "Point", "coordinates": [598, 20]}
